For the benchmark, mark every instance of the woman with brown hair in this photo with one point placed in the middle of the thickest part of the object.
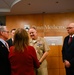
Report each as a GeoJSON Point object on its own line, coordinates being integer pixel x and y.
{"type": "Point", "coordinates": [22, 57]}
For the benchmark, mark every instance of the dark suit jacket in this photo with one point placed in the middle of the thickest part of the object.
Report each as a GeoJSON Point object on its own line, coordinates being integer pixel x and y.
{"type": "Point", "coordinates": [68, 51]}
{"type": "Point", "coordinates": [4, 61]}
{"type": "Point", "coordinates": [10, 43]}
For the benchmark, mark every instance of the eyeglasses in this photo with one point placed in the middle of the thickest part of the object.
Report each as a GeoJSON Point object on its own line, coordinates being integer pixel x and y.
{"type": "Point", "coordinates": [69, 27]}
{"type": "Point", "coordinates": [6, 31]}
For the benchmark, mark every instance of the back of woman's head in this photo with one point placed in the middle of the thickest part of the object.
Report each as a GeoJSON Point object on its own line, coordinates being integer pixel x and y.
{"type": "Point", "coordinates": [21, 39]}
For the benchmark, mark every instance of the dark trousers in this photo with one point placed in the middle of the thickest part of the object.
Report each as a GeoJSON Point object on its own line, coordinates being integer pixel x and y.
{"type": "Point", "coordinates": [69, 71]}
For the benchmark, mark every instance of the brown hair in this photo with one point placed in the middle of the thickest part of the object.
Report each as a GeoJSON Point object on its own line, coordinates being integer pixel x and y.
{"type": "Point", "coordinates": [21, 39]}
{"type": "Point", "coordinates": [13, 30]}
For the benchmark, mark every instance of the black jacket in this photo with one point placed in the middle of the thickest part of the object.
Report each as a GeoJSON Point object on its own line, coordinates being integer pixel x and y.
{"type": "Point", "coordinates": [10, 42]}
{"type": "Point", "coordinates": [68, 51]}
{"type": "Point", "coordinates": [5, 68]}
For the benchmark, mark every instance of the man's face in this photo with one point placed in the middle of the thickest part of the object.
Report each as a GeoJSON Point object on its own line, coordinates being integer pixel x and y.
{"type": "Point", "coordinates": [5, 34]}
{"type": "Point", "coordinates": [33, 33]}
{"type": "Point", "coordinates": [12, 33]}
{"type": "Point", "coordinates": [70, 28]}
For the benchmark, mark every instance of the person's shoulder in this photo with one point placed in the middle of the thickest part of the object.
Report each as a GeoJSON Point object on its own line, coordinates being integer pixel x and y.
{"type": "Point", "coordinates": [9, 39]}
{"type": "Point", "coordinates": [67, 36]}
{"type": "Point", "coordinates": [40, 38]}
{"type": "Point", "coordinates": [30, 47]}
{"type": "Point", "coordinates": [12, 47]}
{"type": "Point", "coordinates": [0, 43]}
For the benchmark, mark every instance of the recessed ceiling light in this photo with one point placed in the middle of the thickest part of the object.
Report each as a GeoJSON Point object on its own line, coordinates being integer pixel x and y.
{"type": "Point", "coordinates": [57, 2]}
{"type": "Point", "coordinates": [29, 3]}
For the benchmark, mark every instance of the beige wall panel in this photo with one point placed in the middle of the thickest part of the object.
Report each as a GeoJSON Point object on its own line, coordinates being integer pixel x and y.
{"type": "Point", "coordinates": [53, 72]}
{"type": "Point", "coordinates": [60, 50]}
{"type": "Point", "coordinates": [42, 22]}
{"type": "Point", "coordinates": [62, 72]}
{"type": "Point", "coordinates": [54, 51]}
{"type": "Point", "coordinates": [19, 22]}
{"type": "Point", "coordinates": [57, 20]}
{"type": "Point", "coordinates": [61, 64]}
{"type": "Point", "coordinates": [53, 62]}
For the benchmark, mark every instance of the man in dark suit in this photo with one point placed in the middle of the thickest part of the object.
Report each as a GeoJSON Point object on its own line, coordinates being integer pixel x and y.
{"type": "Point", "coordinates": [5, 68]}
{"type": "Point", "coordinates": [68, 50]}
{"type": "Point", "coordinates": [10, 41]}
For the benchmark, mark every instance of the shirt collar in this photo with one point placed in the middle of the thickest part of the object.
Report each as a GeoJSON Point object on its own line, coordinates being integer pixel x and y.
{"type": "Point", "coordinates": [73, 35]}
{"type": "Point", "coordinates": [2, 41]}
{"type": "Point", "coordinates": [34, 41]}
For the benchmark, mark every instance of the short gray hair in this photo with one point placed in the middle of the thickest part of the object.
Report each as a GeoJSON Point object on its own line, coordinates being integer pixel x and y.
{"type": "Point", "coordinates": [2, 28]}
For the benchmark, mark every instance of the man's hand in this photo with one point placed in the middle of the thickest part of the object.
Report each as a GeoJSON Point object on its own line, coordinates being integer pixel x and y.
{"type": "Point", "coordinates": [67, 63]}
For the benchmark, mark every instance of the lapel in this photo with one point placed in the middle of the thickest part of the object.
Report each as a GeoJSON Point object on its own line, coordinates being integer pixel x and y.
{"type": "Point", "coordinates": [71, 42]}
{"type": "Point", "coordinates": [3, 47]}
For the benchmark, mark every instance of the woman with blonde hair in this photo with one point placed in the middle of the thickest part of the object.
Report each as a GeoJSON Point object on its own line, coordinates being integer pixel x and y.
{"type": "Point", "coordinates": [22, 57]}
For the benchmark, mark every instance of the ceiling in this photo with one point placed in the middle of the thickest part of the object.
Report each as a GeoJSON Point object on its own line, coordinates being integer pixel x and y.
{"type": "Point", "coordinates": [18, 7]}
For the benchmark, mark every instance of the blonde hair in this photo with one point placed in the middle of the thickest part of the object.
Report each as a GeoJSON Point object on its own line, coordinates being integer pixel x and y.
{"type": "Point", "coordinates": [21, 39]}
